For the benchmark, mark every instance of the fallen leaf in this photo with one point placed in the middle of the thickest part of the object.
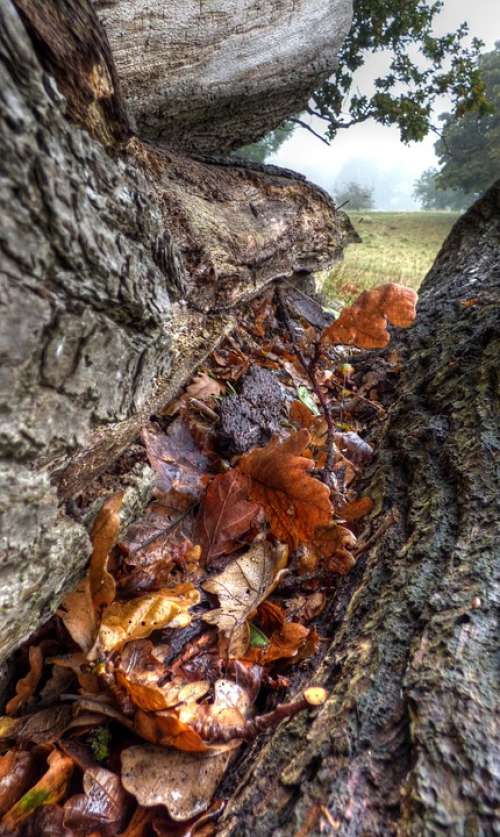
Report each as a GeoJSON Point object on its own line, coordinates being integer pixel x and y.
{"type": "Point", "coordinates": [294, 503]}
{"type": "Point", "coordinates": [225, 515]}
{"type": "Point", "coordinates": [154, 698]}
{"type": "Point", "coordinates": [138, 825]}
{"type": "Point", "coordinates": [183, 782]}
{"type": "Point", "coordinates": [17, 772]}
{"type": "Point", "coordinates": [26, 686]}
{"type": "Point", "coordinates": [334, 544]}
{"type": "Point", "coordinates": [48, 791]}
{"type": "Point", "coordinates": [284, 643]}
{"type": "Point", "coordinates": [41, 727]}
{"type": "Point", "coordinates": [204, 387]}
{"type": "Point", "coordinates": [355, 509]}
{"type": "Point", "coordinates": [104, 536]}
{"type": "Point", "coordinates": [232, 362]}
{"type": "Point", "coordinates": [138, 618]}
{"type": "Point", "coordinates": [350, 443]}
{"type": "Point", "coordinates": [178, 463]}
{"type": "Point", "coordinates": [364, 323]}
{"type": "Point", "coordinates": [77, 613]}
{"type": "Point", "coordinates": [240, 588]}
{"type": "Point", "coordinates": [101, 805]}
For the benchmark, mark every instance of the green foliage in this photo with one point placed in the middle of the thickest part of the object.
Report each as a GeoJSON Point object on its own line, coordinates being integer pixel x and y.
{"type": "Point", "coordinates": [406, 94]}
{"type": "Point", "coordinates": [469, 148]}
{"type": "Point", "coordinates": [430, 195]}
{"type": "Point", "coordinates": [99, 740]}
{"type": "Point", "coordinates": [260, 151]}
{"type": "Point", "coordinates": [357, 196]}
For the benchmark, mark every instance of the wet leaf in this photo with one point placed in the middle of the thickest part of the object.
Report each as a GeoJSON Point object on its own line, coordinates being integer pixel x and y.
{"type": "Point", "coordinates": [17, 772]}
{"type": "Point", "coordinates": [225, 515]}
{"type": "Point", "coordinates": [364, 324]}
{"type": "Point", "coordinates": [26, 686]}
{"type": "Point", "coordinates": [294, 503]}
{"type": "Point", "coordinates": [48, 791]}
{"type": "Point", "coordinates": [102, 804]}
{"type": "Point", "coordinates": [240, 588]}
{"type": "Point", "coordinates": [204, 387]}
{"type": "Point", "coordinates": [138, 618]}
{"type": "Point", "coordinates": [41, 727]}
{"type": "Point", "coordinates": [178, 463]}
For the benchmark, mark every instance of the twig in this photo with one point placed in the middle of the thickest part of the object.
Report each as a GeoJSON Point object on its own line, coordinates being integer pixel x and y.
{"type": "Point", "coordinates": [213, 732]}
{"type": "Point", "coordinates": [308, 128]}
{"type": "Point", "coordinates": [310, 367]}
{"type": "Point", "coordinates": [389, 520]}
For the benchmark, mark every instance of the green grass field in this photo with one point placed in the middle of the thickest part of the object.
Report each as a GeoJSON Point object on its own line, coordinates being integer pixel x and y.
{"type": "Point", "coordinates": [396, 247]}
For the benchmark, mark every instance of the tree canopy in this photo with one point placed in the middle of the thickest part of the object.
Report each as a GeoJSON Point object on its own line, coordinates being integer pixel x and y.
{"type": "Point", "coordinates": [430, 196]}
{"type": "Point", "coordinates": [356, 195]}
{"type": "Point", "coordinates": [469, 147]}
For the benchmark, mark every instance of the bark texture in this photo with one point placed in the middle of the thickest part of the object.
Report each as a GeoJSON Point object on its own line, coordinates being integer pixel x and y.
{"type": "Point", "coordinates": [409, 742]}
{"type": "Point", "coordinates": [120, 265]}
{"type": "Point", "coordinates": [217, 74]}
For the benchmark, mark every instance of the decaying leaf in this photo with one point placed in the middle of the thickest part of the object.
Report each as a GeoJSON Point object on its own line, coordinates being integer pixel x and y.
{"type": "Point", "coordinates": [225, 515]}
{"type": "Point", "coordinates": [101, 805]}
{"type": "Point", "coordinates": [240, 588]}
{"type": "Point", "coordinates": [203, 387]}
{"type": "Point", "coordinates": [285, 643]}
{"type": "Point", "coordinates": [26, 686]}
{"type": "Point", "coordinates": [178, 463]}
{"type": "Point", "coordinates": [153, 698]}
{"type": "Point", "coordinates": [104, 536]}
{"type": "Point", "coordinates": [183, 782]}
{"type": "Point", "coordinates": [364, 324]}
{"type": "Point", "coordinates": [41, 727]}
{"type": "Point", "coordinates": [294, 502]}
{"type": "Point", "coordinates": [355, 448]}
{"type": "Point", "coordinates": [138, 618]}
{"type": "Point", "coordinates": [355, 509]}
{"type": "Point", "coordinates": [78, 615]}
{"type": "Point", "coordinates": [17, 772]}
{"type": "Point", "coordinates": [49, 790]}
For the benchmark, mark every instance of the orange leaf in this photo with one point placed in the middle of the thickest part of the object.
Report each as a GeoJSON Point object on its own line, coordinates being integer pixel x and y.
{"type": "Point", "coordinates": [334, 543]}
{"type": "Point", "coordinates": [165, 728]}
{"type": "Point", "coordinates": [355, 509]}
{"type": "Point", "coordinates": [225, 515]}
{"type": "Point", "coordinates": [294, 503]}
{"type": "Point", "coordinates": [48, 791]}
{"type": "Point", "coordinates": [27, 685]}
{"type": "Point", "coordinates": [104, 536]}
{"type": "Point", "coordinates": [284, 643]}
{"type": "Point", "coordinates": [364, 324]}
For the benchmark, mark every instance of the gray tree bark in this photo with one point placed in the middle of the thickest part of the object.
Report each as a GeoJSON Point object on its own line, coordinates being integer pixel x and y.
{"type": "Point", "coordinates": [408, 742]}
{"type": "Point", "coordinates": [207, 76]}
{"type": "Point", "coordinates": [120, 265]}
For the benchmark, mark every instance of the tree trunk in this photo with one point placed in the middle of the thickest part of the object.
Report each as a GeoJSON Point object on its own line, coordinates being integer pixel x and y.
{"type": "Point", "coordinates": [207, 76]}
{"type": "Point", "coordinates": [409, 742]}
{"type": "Point", "coordinates": [120, 266]}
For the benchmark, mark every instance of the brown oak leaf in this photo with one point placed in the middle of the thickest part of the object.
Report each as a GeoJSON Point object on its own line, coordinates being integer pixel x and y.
{"type": "Point", "coordinates": [203, 387]}
{"type": "Point", "coordinates": [294, 502]}
{"type": "Point", "coordinates": [364, 323]}
{"type": "Point", "coordinates": [225, 515]}
{"type": "Point", "coordinates": [178, 463]}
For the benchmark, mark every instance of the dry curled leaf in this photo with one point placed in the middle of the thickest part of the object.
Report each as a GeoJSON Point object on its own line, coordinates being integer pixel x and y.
{"type": "Point", "coordinates": [178, 463]}
{"type": "Point", "coordinates": [334, 544]}
{"type": "Point", "coordinates": [78, 615]}
{"type": "Point", "coordinates": [49, 790]}
{"type": "Point", "coordinates": [104, 536]}
{"type": "Point", "coordinates": [225, 515]}
{"type": "Point", "coordinates": [138, 618]}
{"type": "Point", "coordinates": [364, 323]}
{"type": "Point", "coordinates": [101, 805]}
{"type": "Point", "coordinates": [203, 387]}
{"type": "Point", "coordinates": [284, 643]}
{"type": "Point", "coordinates": [240, 588]}
{"type": "Point", "coordinates": [294, 502]}
{"type": "Point", "coordinates": [355, 448]}
{"type": "Point", "coordinates": [26, 686]}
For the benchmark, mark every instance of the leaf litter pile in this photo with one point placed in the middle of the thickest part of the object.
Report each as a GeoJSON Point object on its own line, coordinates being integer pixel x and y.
{"type": "Point", "coordinates": [182, 640]}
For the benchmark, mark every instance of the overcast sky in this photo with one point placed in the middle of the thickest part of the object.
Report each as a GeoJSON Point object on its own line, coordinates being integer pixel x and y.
{"type": "Point", "coordinates": [373, 154]}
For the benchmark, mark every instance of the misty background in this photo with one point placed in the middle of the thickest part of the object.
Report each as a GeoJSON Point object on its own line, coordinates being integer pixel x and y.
{"type": "Point", "coordinates": [372, 154]}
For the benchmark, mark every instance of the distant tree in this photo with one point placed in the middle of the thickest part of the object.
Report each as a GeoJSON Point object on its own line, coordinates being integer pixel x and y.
{"type": "Point", "coordinates": [469, 147]}
{"type": "Point", "coordinates": [260, 151]}
{"type": "Point", "coordinates": [406, 94]}
{"type": "Point", "coordinates": [430, 196]}
{"type": "Point", "coordinates": [357, 196]}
